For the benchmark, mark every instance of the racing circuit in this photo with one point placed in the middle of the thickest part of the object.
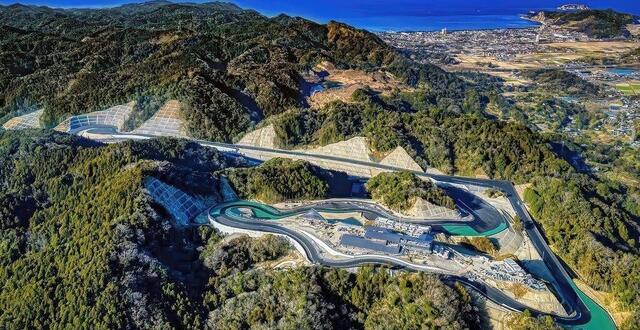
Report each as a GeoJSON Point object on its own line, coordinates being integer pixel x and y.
{"type": "Point", "coordinates": [583, 312]}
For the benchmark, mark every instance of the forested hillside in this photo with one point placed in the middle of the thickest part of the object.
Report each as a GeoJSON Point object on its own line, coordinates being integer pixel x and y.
{"type": "Point", "coordinates": [230, 67]}
{"type": "Point", "coordinates": [592, 223]}
{"type": "Point", "coordinates": [399, 190]}
{"type": "Point", "coordinates": [457, 140]}
{"type": "Point", "coordinates": [560, 82]}
{"type": "Point", "coordinates": [631, 57]}
{"type": "Point", "coordinates": [77, 230]}
{"type": "Point", "coordinates": [83, 246]}
{"type": "Point", "coordinates": [279, 180]}
{"type": "Point", "coordinates": [594, 23]}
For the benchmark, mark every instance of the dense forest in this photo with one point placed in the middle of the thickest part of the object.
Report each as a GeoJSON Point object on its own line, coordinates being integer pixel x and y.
{"type": "Point", "coordinates": [399, 191]}
{"type": "Point", "coordinates": [279, 180]}
{"type": "Point", "coordinates": [631, 57]}
{"type": "Point", "coordinates": [83, 246]}
{"type": "Point", "coordinates": [526, 321]}
{"type": "Point", "coordinates": [560, 82]}
{"type": "Point", "coordinates": [593, 227]}
{"type": "Point", "coordinates": [77, 228]}
{"type": "Point", "coordinates": [457, 140]}
{"type": "Point", "coordinates": [594, 23]}
{"type": "Point", "coordinates": [229, 67]}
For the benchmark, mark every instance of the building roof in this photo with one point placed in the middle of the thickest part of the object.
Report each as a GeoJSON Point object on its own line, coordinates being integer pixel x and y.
{"type": "Point", "coordinates": [385, 234]}
{"type": "Point", "coordinates": [380, 233]}
{"type": "Point", "coordinates": [361, 242]}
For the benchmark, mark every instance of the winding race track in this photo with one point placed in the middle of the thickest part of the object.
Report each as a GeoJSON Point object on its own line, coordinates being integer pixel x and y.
{"type": "Point", "coordinates": [490, 223]}
{"type": "Point", "coordinates": [226, 215]}
{"type": "Point", "coordinates": [583, 312]}
{"type": "Point", "coordinates": [265, 218]}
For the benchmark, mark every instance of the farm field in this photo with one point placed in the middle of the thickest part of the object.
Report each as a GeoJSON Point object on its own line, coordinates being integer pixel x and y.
{"type": "Point", "coordinates": [629, 89]}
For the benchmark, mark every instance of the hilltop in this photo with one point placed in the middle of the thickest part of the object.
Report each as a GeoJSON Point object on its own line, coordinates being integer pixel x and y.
{"type": "Point", "coordinates": [600, 24]}
{"type": "Point", "coordinates": [230, 67]}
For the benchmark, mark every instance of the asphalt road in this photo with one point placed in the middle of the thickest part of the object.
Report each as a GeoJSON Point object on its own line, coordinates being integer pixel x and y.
{"type": "Point", "coordinates": [575, 307]}
{"type": "Point", "coordinates": [484, 216]}
{"type": "Point", "coordinates": [313, 254]}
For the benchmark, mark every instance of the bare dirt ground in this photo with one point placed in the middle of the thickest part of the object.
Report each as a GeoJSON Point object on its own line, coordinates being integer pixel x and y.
{"type": "Point", "coordinates": [352, 80]}
{"type": "Point", "coordinates": [634, 29]}
{"type": "Point", "coordinates": [319, 99]}
{"type": "Point", "coordinates": [595, 48]}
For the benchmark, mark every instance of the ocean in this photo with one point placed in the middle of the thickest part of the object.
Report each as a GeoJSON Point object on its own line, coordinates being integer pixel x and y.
{"type": "Point", "coordinates": [437, 23]}
{"type": "Point", "coordinates": [425, 15]}
{"type": "Point", "coordinates": [393, 15]}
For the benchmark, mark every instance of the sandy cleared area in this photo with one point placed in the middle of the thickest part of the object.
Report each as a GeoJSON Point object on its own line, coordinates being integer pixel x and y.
{"type": "Point", "coordinates": [554, 55]}
{"type": "Point", "coordinates": [261, 137]}
{"type": "Point", "coordinates": [30, 120]}
{"type": "Point", "coordinates": [165, 122]}
{"type": "Point", "coordinates": [352, 80]}
{"type": "Point", "coordinates": [477, 62]}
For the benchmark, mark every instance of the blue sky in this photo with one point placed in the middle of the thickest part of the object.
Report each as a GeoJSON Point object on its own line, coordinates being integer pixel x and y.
{"type": "Point", "coordinates": [323, 10]}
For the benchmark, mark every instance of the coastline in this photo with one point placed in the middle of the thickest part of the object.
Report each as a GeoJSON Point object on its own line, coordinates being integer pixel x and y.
{"type": "Point", "coordinates": [412, 24]}
{"type": "Point", "coordinates": [464, 30]}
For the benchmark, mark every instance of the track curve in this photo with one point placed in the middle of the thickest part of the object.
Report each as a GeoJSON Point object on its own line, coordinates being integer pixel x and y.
{"type": "Point", "coordinates": [314, 255]}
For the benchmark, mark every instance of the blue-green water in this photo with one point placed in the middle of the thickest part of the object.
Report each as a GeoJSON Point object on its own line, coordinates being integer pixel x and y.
{"type": "Point", "coordinates": [623, 71]}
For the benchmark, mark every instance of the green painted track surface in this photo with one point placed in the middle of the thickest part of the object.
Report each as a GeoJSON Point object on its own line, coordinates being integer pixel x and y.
{"type": "Point", "coordinates": [464, 230]}
{"type": "Point", "coordinates": [600, 319]}
{"type": "Point", "coordinates": [266, 212]}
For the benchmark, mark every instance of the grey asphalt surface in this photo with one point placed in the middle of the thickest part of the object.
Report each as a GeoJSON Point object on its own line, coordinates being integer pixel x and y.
{"type": "Point", "coordinates": [575, 307]}
{"type": "Point", "coordinates": [314, 256]}
{"type": "Point", "coordinates": [485, 216]}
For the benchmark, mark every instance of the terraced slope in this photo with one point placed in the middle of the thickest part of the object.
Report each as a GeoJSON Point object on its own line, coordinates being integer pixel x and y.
{"type": "Point", "coordinates": [165, 122]}
{"type": "Point", "coordinates": [114, 117]}
{"type": "Point", "coordinates": [30, 120]}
